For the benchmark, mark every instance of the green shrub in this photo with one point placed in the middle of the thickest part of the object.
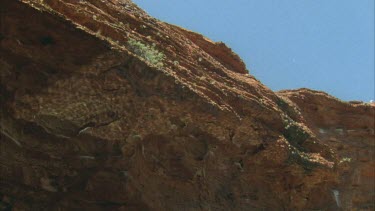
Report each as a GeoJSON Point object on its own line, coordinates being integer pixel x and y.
{"type": "Point", "coordinates": [345, 159]}
{"type": "Point", "coordinates": [302, 159]}
{"type": "Point", "coordinates": [294, 133]}
{"type": "Point", "coordinates": [149, 53]}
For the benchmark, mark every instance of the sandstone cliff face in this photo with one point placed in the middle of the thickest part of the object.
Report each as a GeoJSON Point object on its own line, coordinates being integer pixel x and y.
{"type": "Point", "coordinates": [348, 129]}
{"type": "Point", "coordinates": [89, 123]}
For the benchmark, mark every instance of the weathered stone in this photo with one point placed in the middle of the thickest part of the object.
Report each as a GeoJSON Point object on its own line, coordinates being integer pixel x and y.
{"type": "Point", "coordinates": [89, 124]}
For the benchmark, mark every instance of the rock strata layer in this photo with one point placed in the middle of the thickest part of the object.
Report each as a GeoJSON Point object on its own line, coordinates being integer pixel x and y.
{"type": "Point", "coordinates": [106, 108]}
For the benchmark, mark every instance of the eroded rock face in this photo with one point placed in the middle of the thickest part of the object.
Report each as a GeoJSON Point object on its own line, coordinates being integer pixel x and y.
{"type": "Point", "coordinates": [87, 124]}
{"type": "Point", "coordinates": [348, 129]}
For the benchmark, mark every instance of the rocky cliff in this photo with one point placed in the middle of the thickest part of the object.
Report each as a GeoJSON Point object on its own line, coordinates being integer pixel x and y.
{"type": "Point", "coordinates": [106, 108]}
{"type": "Point", "coordinates": [348, 129]}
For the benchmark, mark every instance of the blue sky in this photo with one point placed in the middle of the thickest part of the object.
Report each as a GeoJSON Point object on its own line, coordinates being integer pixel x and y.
{"type": "Point", "coordinates": [325, 45]}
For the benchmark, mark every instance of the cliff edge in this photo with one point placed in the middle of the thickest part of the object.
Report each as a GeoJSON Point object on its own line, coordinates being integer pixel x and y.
{"type": "Point", "coordinates": [106, 108]}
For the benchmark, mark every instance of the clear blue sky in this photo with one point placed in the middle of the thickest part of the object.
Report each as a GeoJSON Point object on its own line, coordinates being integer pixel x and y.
{"type": "Point", "coordinates": [326, 45]}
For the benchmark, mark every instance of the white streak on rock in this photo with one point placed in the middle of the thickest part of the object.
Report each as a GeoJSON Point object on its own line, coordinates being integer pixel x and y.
{"type": "Point", "coordinates": [336, 194]}
{"type": "Point", "coordinates": [322, 131]}
{"type": "Point", "coordinates": [83, 130]}
{"type": "Point", "coordinates": [87, 157]}
{"type": "Point", "coordinates": [11, 138]}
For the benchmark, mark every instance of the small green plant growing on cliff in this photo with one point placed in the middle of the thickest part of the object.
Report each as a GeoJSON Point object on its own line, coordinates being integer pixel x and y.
{"type": "Point", "coordinates": [149, 53]}
{"type": "Point", "coordinates": [294, 133]}
{"type": "Point", "coordinates": [302, 159]}
{"type": "Point", "coordinates": [345, 159]}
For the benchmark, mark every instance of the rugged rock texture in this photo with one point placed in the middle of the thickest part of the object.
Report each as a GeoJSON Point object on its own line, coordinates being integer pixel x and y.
{"type": "Point", "coordinates": [87, 123]}
{"type": "Point", "coordinates": [348, 129]}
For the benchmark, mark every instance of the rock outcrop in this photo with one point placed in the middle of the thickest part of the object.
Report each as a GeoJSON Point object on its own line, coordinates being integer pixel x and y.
{"type": "Point", "coordinates": [348, 129]}
{"type": "Point", "coordinates": [106, 108]}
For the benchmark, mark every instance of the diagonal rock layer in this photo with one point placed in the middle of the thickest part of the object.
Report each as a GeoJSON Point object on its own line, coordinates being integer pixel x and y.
{"type": "Point", "coordinates": [106, 108]}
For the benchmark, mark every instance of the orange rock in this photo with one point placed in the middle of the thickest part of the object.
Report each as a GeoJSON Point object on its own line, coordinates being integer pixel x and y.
{"type": "Point", "coordinates": [106, 108]}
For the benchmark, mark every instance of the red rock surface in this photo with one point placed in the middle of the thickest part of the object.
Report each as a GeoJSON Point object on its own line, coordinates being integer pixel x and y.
{"type": "Point", "coordinates": [348, 129]}
{"type": "Point", "coordinates": [87, 124]}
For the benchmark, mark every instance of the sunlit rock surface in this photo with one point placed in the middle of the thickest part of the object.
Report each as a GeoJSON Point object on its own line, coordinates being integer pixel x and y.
{"type": "Point", "coordinates": [90, 123]}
